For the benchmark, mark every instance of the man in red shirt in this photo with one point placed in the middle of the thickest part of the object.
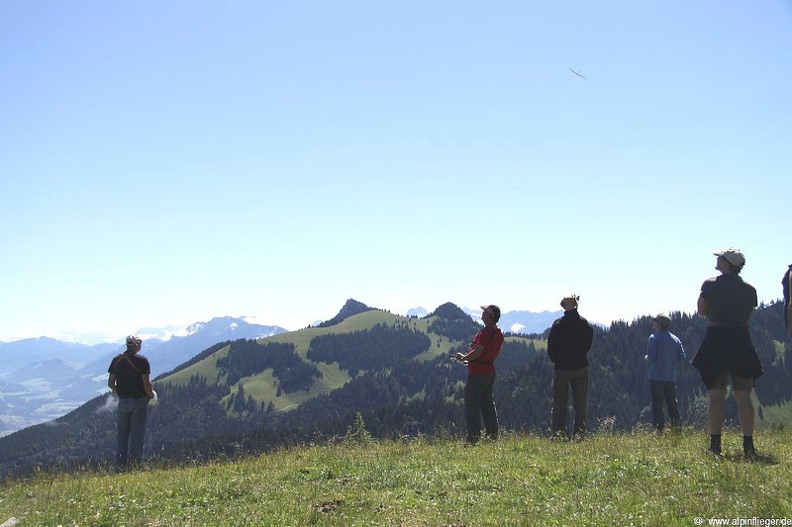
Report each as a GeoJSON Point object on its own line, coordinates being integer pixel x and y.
{"type": "Point", "coordinates": [480, 359]}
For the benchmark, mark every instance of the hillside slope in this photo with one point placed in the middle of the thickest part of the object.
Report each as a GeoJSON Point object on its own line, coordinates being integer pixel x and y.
{"type": "Point", "coordinates": [255, 396]}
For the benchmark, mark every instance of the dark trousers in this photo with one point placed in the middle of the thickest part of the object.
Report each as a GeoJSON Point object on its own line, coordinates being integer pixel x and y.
{"type": "Point", "coordinates": [664, 391]}
{"type": "Point", "coordinates": [563, 380]}
{"type": "Point", "coordinates": [131, 431]}
{"type": "Point", "coordinates": [479, 404]}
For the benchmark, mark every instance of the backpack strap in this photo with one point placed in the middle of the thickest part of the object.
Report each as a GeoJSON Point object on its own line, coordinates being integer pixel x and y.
{"type": "Point", "coordinates": [124, 356]}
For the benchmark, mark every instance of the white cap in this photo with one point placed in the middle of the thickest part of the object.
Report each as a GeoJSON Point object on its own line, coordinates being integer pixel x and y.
{"type": "Point", "coordinates": [732, 255]}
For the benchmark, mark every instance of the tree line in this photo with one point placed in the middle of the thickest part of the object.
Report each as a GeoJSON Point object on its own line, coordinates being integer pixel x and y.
{"type": "Point", "coordinates": [372, 349]}
{"type": "Point", "coordinates": [250, 357]}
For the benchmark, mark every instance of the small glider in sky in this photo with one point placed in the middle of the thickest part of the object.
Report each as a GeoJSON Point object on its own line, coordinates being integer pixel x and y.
{"type": "Point", "coordinates": [576, 73]}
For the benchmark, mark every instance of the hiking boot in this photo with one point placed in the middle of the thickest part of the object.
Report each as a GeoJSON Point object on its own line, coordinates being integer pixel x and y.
{"type": "Point", "coordinates": [715, 444]}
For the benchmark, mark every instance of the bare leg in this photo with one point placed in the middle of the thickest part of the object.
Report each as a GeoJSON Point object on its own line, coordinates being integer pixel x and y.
{"type": "Point", "coordinates": [716, 412]}
{"type": "Point", "coordinates": [745, 410]}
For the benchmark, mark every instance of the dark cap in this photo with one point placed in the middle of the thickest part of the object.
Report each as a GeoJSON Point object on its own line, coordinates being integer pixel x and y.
{"type": "Point", "coordinates": [662, 319]}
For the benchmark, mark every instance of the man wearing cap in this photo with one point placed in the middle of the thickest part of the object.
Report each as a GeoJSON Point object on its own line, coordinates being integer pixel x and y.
{"type": "Point", "coordinates": [480, 359]}
{"type": "Point", "coordinates": [663, 352]}
{"type": "Point", "coordinates": [568, 344]}
{"type": "Point", "coordinates": [129, 380]}
{"type": "Point", "coordinates": [727, 353]}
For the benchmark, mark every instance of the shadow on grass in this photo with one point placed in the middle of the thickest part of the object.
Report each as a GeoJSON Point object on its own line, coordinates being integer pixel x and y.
{"type": "Point", "coordinates": [758, 459]}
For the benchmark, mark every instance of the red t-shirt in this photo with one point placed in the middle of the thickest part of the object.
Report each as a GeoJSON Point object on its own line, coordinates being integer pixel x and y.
{"type": "Point", "coordinates": [492, 339]}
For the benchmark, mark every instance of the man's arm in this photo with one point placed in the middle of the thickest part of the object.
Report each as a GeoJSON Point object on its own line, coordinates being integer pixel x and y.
{"type": "Point", "coordinates": [147, 386]}
{"type": "Point", "coordinates": [589, 336]}
{"type": "Point", "coordinates": [651, 353]}
{"type": "Point", "coordinates": [789, 309]}
{"type": "Point", "coordinates": [789, 319]}
{"type": "Point", "coordinates": [475, 353]}
{"type": "Point", "coordinates": [552, 343]}
{"type": "Point", "coordinates": [702, 306]}
{"type": "Point", "coordinates": [111, 383]}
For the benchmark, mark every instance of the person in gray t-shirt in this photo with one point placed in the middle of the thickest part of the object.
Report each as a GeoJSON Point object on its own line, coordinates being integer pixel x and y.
{"type": "Point", "coordinates": [727, 353]}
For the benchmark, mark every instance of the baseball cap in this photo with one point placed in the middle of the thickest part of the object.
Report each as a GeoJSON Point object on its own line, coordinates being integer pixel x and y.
{"type": "Point", "coordinates": [133, 340]}
{"type": "Point", "coordinates": [495, 310]}
{"type": "Point", "coordinates": [732, 255]}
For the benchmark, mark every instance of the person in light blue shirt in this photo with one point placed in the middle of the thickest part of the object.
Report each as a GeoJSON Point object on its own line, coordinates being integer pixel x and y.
{"type": "Point", "coordinates": [663, 352]}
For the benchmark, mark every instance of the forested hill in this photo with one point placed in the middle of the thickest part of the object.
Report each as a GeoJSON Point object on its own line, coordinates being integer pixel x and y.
{"type": "Point", "coordinates": [308, 385]}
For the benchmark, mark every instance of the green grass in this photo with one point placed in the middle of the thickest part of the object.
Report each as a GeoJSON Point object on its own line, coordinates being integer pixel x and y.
{"type": "Point", "coordinates": [775, 416]}
{"type": "Point", "coordinates": [607, 479]}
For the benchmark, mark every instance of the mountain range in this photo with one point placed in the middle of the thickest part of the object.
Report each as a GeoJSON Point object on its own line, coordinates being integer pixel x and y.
{"type": "Point", "coordinates": [390, 372]}
{"type": "Point", "coordinates": [43, 378]}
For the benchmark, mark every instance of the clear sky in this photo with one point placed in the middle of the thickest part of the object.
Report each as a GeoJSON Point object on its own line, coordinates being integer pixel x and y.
{"type": "Point", "coordinates": [169, 162]}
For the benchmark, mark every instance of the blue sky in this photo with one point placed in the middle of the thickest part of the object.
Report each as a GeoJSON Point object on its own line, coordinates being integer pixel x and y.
{"type": "Point", "coordinates": [169, 162]}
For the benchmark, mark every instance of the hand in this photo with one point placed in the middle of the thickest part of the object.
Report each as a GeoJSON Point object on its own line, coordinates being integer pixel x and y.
{"type": "Point", "coordinates": [459, 357]}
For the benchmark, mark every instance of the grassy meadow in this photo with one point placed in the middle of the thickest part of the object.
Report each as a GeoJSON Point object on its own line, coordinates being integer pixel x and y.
{"type": "Point", "coordinates": [638, 478]}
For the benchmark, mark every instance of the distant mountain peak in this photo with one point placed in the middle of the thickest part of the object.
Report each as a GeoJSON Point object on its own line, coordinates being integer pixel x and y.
{"type": "Point", "coordinates": [449, 311]}
{"type": "Point", "coordinates": [417, 312]}
{"type": "Point", "coordinates": [351, 308]}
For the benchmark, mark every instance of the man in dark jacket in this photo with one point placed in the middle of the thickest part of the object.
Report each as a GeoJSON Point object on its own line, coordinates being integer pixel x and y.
{"type": "Point", "coordinates": [129, 380]}
{"type": "Point", "coordinates": [567, 345]}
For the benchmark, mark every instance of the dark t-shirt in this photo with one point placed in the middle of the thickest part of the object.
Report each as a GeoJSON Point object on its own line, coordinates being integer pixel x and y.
{"type": "Point", "coordinates": [730, 300]}
{"type": "Point", "coordinates": [129, 370]}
